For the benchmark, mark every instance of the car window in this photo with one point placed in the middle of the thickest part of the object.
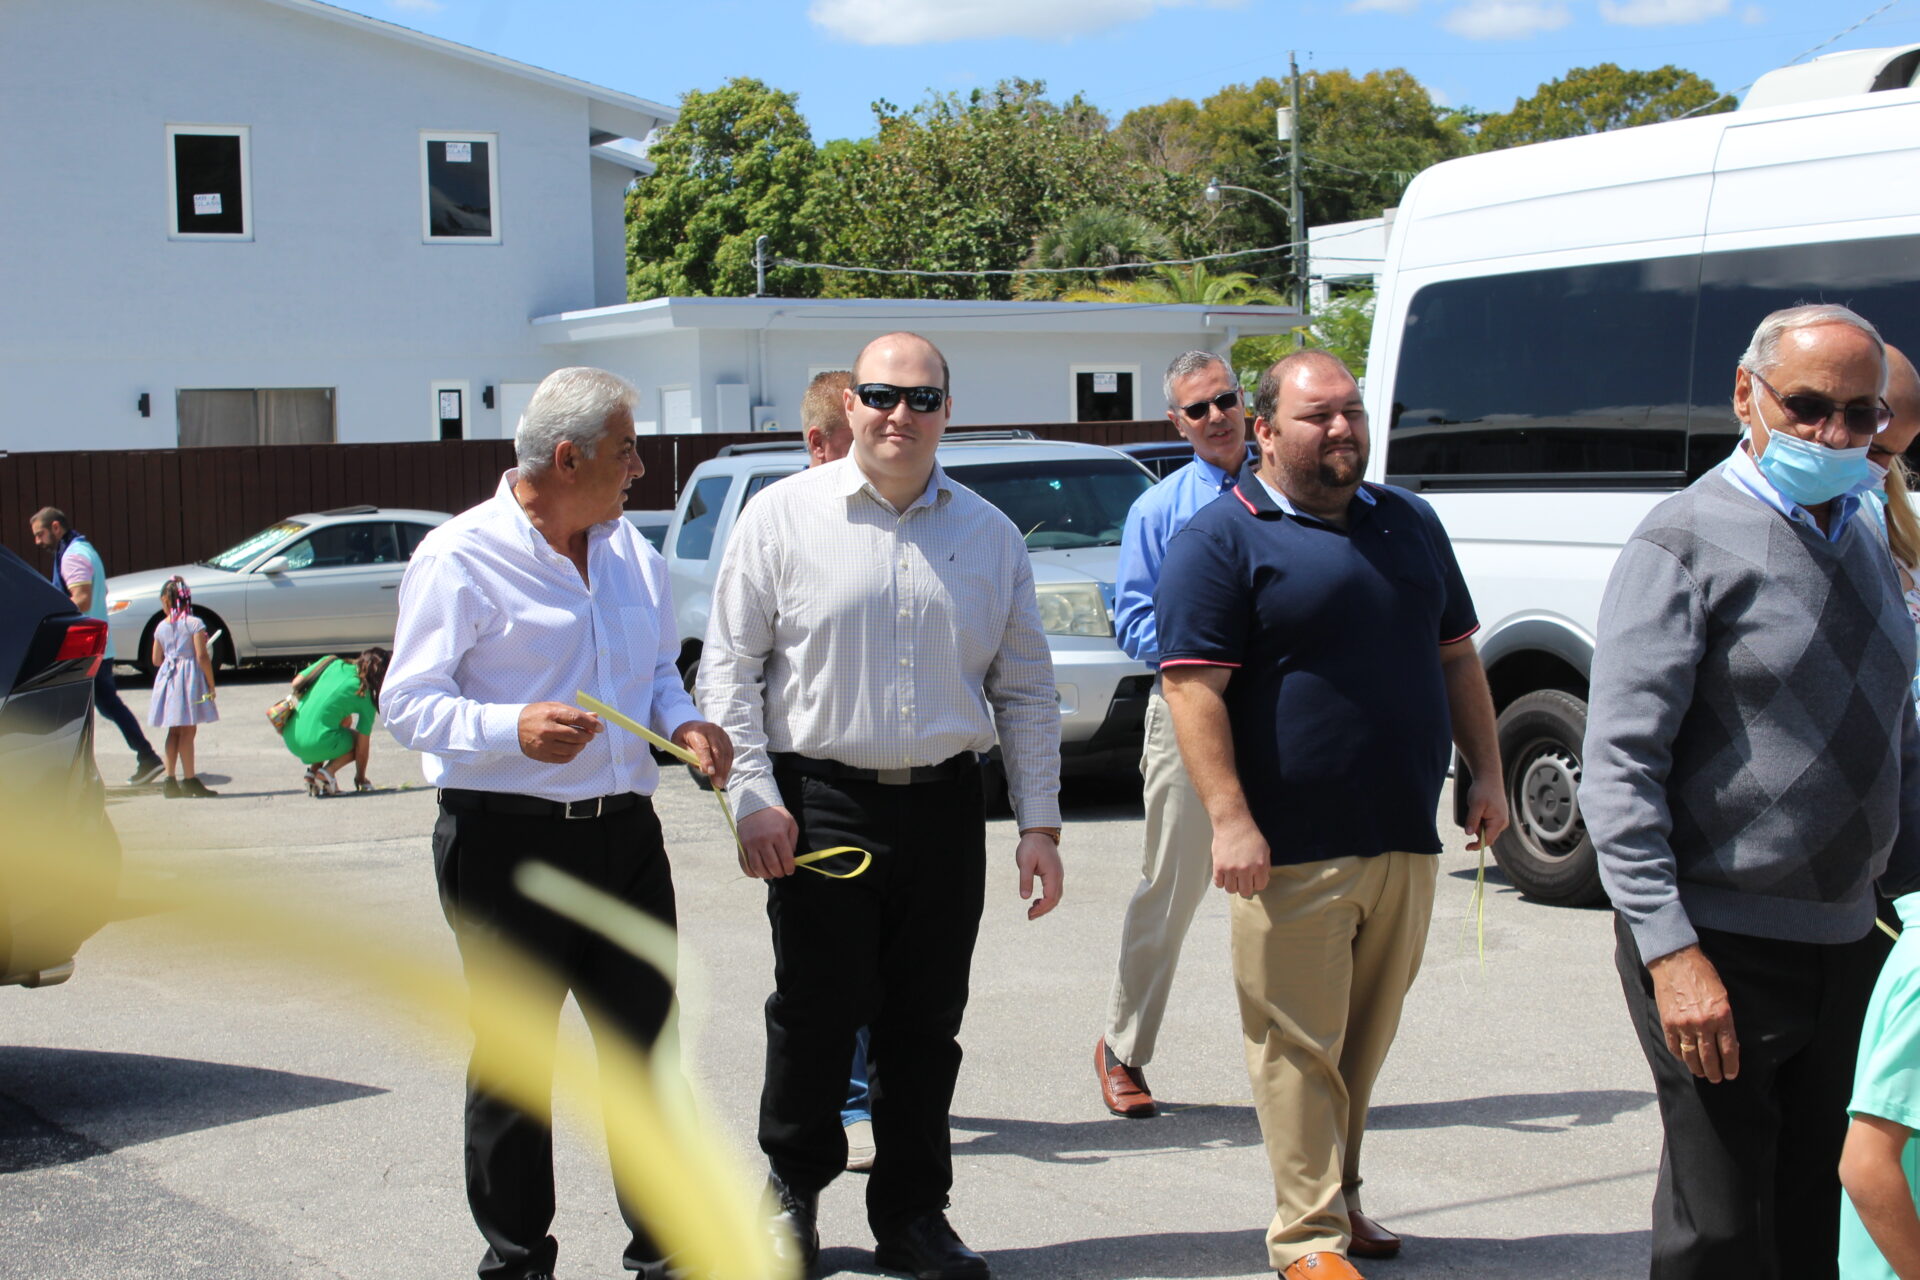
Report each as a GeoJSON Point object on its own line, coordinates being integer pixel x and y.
{"type": "Point", "coordinates": [343, 546]}
{"type": "Point", "coordinates": [410, 536]}
{"type": "Point", "coordinates": [756, 483]}
{"type": "Point", "coordinates": [702, 518]}
{"type": "Point", "coordinates": [242, 553]}
{"type": "Point", "coordinates": [1060, 503]}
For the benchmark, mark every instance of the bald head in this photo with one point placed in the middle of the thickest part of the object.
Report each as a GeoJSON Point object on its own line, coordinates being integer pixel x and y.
{"type": "Point", "coordinates": [1903, 397]}
{"type": "Point", "coordinates": [903, 343]}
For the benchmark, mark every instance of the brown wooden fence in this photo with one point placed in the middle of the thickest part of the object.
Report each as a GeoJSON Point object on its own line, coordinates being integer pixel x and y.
{"type": "Point", "coordinates": [145, 508]}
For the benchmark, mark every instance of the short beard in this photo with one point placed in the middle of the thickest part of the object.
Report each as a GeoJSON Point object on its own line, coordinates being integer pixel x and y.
{"type": "Point", "coordinates": [1342, 475]}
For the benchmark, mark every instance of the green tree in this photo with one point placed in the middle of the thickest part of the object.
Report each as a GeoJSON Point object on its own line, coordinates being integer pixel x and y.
{"type": "Point", "coordinates": [734, 166]}
{"type": "Point", "coordinates": [1098, 237]}
{"type": "Point", "coordinates": [967, 184]}
{"type": "Point", "coordinates": [1597, 99]}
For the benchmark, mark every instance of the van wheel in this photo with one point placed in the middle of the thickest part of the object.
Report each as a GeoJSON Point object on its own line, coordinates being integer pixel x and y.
{"type": "Point", "coordinates": [1545, 850]}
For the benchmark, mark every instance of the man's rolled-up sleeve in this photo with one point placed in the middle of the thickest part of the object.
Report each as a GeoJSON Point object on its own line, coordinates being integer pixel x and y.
{"type": "Point", "coordinates": [1650, 640]}
{"type": "Point", "coordinates": [1026, 705]}
{"type": "Point", "coordinates": [442, 615]}
{"type": "Point", "coordinates": [732, 688]}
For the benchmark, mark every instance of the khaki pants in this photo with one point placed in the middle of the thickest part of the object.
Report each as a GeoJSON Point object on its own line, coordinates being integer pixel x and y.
{"type": "Point", "coordinates": [1175, 873]}
{"type": "Point", "coordinates": [1322, 959]}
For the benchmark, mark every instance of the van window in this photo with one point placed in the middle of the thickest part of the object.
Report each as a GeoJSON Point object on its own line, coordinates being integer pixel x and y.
{"type": "Point", "coordinates": [1577, 373]}
{"type": "Point", "coordinates": [1879, 279]}
{"type": "Point", "coordinates": [702, 519]}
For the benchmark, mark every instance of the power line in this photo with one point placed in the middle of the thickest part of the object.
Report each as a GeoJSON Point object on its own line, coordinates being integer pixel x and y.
{"type": "Point", "coordinates": [1796, 57]}
{"type": "Point", "coordinates": [1078, 271]}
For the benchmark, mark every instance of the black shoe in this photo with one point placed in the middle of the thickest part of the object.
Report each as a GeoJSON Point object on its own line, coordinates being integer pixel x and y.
{"type": "Point", "coordinates": [796, 1237]}
{"type": "Point", "coordinates": [927, 1248]}
{"type": "Point", "coordinates": [194, 789]}
{"type": "Point", "coordinates": [146, 771]}
{"type": "Point", "coordinates": [171, 788]}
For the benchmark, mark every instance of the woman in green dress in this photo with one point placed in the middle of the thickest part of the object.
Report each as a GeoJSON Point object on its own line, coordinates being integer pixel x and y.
{"type": "Point", "coordinates": [333, 725]}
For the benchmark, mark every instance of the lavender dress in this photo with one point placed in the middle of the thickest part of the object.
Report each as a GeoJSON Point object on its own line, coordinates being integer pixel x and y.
{"type": "Point", "coordinates": [179, 690]}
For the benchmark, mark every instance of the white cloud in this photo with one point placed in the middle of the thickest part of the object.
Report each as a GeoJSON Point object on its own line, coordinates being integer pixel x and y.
{"type": "Point", "coordinates": [1753, 15]}
{"type": "Point", "coordinates": [1663, 13]}
{"type": "Point", "coordinates": [418, 6]}
{"type": "Point", "coordinates": [1505, 19]}
{"type": "Point", "coordinates": [902, 22]}
{"type": "Point", "coordinates": [1383, 6]}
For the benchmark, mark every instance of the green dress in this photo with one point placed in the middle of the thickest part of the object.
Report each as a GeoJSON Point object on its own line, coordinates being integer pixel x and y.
{"type": "Point", "coordinates": [314, 734]}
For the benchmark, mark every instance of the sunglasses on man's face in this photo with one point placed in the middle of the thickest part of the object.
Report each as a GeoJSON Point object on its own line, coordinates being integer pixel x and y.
{"type": "Point", "coordinates": [884, 395]}
{"type": "Point", "coordinates": [1224, 402]}
{"type": "Point", "coordinates": [1810, 409]}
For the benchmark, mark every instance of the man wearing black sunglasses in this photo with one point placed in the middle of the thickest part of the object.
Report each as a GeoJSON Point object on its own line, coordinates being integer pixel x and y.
{"type": "Point", "coordinates": [874, 629]}
{"type": "Point", "coordinates": [1751, 772]}
{"type": "Point", "coordinates": [1206, 406]}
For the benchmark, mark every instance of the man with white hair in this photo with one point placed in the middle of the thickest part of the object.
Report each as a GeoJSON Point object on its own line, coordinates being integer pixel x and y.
{"type": "Point", "coordinates": [1752, 772]}
{"type": "Point", "coordinates": [506, 611]}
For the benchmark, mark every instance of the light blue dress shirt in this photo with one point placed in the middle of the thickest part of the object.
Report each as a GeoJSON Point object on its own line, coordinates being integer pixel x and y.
{"type": "Point", "coordinates": [1155, 517]}
{"type": "Point", "coordinates": [1743, 473]}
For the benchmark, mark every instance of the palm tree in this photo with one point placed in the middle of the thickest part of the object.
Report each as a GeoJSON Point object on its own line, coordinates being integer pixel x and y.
{"type": "Point", "coordinates": [1189, 284]}
{"type": "Point", "coordinates": [1097, 238]}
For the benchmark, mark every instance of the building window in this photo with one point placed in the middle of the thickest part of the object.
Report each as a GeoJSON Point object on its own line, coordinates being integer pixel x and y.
{"type": "Point", "coordinates": [210, 183]}
{"type": "Point", "coordinates": [1106, 393]}
{"type": "Point", "coordinates": [272, 415]}
{"type": "Point", "coordinates": [450, 410]}
{"type": "Point", "coordinates": [460, 188]}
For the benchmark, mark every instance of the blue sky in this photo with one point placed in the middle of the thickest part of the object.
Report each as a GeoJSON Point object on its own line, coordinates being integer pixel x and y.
{"type": "Point", "coordinates": [840, 55]}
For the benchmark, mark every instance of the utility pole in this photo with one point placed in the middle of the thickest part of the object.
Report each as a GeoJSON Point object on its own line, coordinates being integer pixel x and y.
{"type": "Point", "coordinates": [760, 265]}
{"type": "Point", "coordinates": [1296, 215]}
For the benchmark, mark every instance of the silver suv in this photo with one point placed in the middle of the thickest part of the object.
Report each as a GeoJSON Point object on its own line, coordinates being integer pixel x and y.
{"type": "Point", "coordinates": [1072, 501]}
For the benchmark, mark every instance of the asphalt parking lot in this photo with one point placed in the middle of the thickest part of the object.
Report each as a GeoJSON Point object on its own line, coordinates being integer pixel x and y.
{"type": "Point", "coordinates": [199, 1108]}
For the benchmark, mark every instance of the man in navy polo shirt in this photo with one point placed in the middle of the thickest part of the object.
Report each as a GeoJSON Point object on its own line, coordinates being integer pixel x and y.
{"type": "Point", "coordinates": [1316, 654]}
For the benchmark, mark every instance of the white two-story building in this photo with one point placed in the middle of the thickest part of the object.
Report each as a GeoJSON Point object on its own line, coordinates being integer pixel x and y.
{"type": "Point", "coordinates": [281, 222]}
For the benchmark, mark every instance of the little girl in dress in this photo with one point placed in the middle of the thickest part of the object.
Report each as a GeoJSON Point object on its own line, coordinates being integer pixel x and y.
{"type": "Point", "coordinates": [182, 686]}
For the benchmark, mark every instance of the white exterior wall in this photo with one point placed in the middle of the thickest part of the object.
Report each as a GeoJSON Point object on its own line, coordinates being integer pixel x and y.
{"type": "Point", "coordinates": [997, 377]}
{"type": "Point", "coordinates": [336, 288]}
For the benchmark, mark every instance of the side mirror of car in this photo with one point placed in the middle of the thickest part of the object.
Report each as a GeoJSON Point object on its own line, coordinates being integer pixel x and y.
{"type": "Point", "coordinates": [276, 565]}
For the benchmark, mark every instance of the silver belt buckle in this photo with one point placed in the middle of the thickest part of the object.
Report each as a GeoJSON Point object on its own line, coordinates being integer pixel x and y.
{"type": "Point", "coordinates": [893, 777]}
{"type": "Point", "coordinates": [598, 801]}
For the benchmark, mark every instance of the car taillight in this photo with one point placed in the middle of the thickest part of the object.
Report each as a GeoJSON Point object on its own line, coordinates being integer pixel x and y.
{"type": "Point", "coordinates": [85, 639]}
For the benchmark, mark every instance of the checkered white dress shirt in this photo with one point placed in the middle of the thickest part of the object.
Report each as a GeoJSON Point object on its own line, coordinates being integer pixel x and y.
{"type": "Point", "coordinates": [492, 618]}
{"type": "Point", "coordinates": [845, 630]}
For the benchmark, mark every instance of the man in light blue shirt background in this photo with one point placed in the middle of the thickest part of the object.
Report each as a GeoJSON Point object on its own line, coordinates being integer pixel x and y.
{"type": "Point", "coordinates": [1207, 407]}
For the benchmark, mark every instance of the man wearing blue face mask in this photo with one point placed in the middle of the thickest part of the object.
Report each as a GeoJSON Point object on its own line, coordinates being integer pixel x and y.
{"type": "Point", "coordinates": [1752, 771]}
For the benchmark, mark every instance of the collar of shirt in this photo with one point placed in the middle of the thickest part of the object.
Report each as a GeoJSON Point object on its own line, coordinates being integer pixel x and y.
{"type": "Point", "coordinates": [850, 479]}
{"type": "Point", "coordinates": [1743, 472]}
{"type": "Point", "coordinates": [1217, 478]}
{"type": "Point", "coordinates": [1278, 502]}
{"type": "Point", "coordinates": [508, 508]}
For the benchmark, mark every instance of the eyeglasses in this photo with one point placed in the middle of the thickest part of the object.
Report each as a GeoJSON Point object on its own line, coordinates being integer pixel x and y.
{"type": "Point", "coordinates": [1810, 409]}
{"type": "Point", "coordinates": [884, 395]}
{"type": "Point", "coordinates": [1224, 402]}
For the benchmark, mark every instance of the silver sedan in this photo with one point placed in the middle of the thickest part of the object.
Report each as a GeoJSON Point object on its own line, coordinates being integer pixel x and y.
{"type": "Point", "coordinates": [325, 582]}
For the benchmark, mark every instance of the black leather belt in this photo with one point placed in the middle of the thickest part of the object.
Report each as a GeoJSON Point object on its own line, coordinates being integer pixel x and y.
{"type": "Point", "coordinates": [946, 771]}
{"type": "Point", "coordinates": [460, 800]}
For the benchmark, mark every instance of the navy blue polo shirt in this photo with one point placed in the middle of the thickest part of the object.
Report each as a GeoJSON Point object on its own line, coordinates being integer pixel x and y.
{"type": "Point", "coordinates": [1341, 731]}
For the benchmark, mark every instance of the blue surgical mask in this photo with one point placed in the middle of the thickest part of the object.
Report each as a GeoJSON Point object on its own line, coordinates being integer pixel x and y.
{"type": "Point", "coordinates": [1809, 473]}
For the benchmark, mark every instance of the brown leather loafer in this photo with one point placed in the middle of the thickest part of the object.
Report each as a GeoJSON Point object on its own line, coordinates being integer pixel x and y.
{"type": "Point", "coordinates": [1122, 1087]}
{"type": "Point", "coordinates": [1370, 1239]}
{"type": "Point", "coordinates": [1322, 1266]}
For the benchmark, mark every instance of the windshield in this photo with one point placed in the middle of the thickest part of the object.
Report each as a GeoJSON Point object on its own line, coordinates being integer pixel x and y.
{"type": "Point", "coordinates": [1063, 502]}
{"type": "Point", "coordinates": [241, 554]}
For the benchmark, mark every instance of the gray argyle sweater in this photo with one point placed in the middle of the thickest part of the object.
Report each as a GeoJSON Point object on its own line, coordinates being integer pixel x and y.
{"type": "Point", "coordinates": [1751, 748]}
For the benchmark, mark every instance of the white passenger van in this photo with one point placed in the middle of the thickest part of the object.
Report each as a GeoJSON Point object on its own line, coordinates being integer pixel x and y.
{"type": "Point", "coordinates": [1553, 352]}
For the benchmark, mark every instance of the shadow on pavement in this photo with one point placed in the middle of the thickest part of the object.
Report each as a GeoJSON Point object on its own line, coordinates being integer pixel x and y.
{"type": "Point", "coordinates": [1519, 1112]}
{"type": "Point", "coordinates": [1176, 1255]}
{"type": "Point", "coordinates": [1180, 1127]}
{"type": "Point", "coordinates": [58, 1106]}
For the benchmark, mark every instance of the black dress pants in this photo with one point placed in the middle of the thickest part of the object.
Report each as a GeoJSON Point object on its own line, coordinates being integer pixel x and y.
{"type": "Point", "coordinates": [890, 949]}
{"type": "Point", "coordinates": [1749, 1182]}
{"type": "Point", "coordinates": [509, 1152]}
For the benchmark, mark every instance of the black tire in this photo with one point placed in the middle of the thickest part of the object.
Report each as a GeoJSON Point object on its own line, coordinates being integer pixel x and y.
{"type": "Point", "coordinates": [143, 660]}
{"type": "Point", "coordinates": [1545, 850]}
{"type": "Point", "coordinates": [222, 655]}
